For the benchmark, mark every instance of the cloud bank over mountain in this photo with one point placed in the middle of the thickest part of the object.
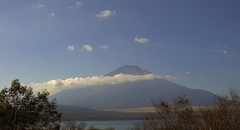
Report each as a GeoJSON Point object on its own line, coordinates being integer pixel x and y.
{"type": "Point", "coordinates": [55, 86]}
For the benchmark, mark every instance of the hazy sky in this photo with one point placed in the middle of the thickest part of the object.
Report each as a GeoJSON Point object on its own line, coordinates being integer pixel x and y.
{"type": "Point", "coordinates": [193, 43]}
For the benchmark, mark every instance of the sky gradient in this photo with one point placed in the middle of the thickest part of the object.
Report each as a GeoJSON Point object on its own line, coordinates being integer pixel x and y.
{"type": "Point", "coordinates": [192, 43]}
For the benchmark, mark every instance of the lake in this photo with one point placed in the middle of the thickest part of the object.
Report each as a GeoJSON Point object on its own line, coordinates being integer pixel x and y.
{"type": "Point", "coordinates": [118, 125]}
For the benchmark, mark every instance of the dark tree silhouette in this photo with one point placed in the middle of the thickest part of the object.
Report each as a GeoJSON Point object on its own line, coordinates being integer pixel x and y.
{"type": "Point", "coordinates": [20, 108]}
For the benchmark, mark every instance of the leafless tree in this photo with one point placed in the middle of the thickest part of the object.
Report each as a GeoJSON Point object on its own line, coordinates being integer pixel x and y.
{"type": "Point", "coordinates": [73, 125]}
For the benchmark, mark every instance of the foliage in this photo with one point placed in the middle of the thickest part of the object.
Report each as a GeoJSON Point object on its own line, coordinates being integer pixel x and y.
{"type": "Point", "coordinates": [20, 108]}
{"type": "Point", "coordinates": [224, 114]}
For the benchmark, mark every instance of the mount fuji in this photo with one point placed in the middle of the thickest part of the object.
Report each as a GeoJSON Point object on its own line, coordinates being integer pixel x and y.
{"type": "Point", "coordinates": [132, 94]}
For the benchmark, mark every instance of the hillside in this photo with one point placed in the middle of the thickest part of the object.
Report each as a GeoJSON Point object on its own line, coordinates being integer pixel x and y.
{"type": "Point", "coordinates": [85, 114]}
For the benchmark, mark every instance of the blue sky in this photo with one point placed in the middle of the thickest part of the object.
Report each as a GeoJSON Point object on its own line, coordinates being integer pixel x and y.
{"type": "Point", "coordinates": [192, 43]}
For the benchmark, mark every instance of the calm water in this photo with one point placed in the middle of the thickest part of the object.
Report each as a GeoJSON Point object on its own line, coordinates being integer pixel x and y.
{"type": "Point", "coordinates": [118, 125]}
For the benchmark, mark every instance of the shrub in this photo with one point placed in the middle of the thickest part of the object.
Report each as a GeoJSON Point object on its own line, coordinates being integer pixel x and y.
{"type": "Point", "coordinates": [224, 114]}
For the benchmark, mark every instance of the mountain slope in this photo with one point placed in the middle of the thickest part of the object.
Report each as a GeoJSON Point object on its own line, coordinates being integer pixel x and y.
{"type": "Point", "coordinates": [130, 95]}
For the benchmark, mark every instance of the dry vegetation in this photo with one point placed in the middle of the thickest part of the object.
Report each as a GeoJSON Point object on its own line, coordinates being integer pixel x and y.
{"type": "Point", "coordinates": [224, 114]}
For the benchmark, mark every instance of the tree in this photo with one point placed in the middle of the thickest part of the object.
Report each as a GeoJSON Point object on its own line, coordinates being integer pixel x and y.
{"type": "Point", "coordinates": [20, 108]}
{"type": "Point", "coordinates": [73, 125]}
{"type": "Point", "coordinates": [176, 116]}
{"type": "Point", "coordinates": [81, 125]}
{"type": "Point", "coordinates": [179, 116]}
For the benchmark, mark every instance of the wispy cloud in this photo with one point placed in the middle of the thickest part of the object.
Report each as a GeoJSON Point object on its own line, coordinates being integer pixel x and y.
{"type": "Point", "coordinates": [70, 48]}
{"type": "Point", "coordinates": [70, 7]}
{"type": "Point", "coordinates": [105, 14]}
{"type": "Point", "coordinates": [87, 47]}
{"type": "Point", "coordinates": [220, 48]}
{"type": "Point", "coordinates": [54, 86]}
{"type": "Point", "coordinates": [187, 72]}
{"type": "Point", "coordinates": [104, 47]}
{"type": "Point", "coordinates": [41, 5]}
{"type": "Point", "coordinates": [78, 3]}
{"type": "Point", "coordinates": [52, 14]}
{"type": "Point", "coordinates": [141, 40]}
{"type": "Point", "coordinates": [220, 51]}
{"type": "Point", "coordinates": [170, 77]}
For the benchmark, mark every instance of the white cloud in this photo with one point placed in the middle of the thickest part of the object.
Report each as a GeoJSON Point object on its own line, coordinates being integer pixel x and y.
{"type": "Point", "coordinates": [187, 72]}
{"type": "Point", "coordinates": [54, 86]}
{"type": "Point", "coordinates": [70, 48]}
{"type": "Point", "coordinates": [170, 77]}
{"type": "Point", "coordinates": [225, 51]}
{"type": "Point", "coordinates": [141, 40]}
{"type": "Point", "coordinates": [104, 47]}
{"type": "Point", "coordinates": [52, 14]}
{"type": "Point", "coordinates": [87, 47]}
{"type": "Point", "coordinates": [199, 76]}
{"type": "Point", "coordinates": [105, 14]}
{"type": "Point", "coordinates": [78, 3]}
{"type": "Point", "coordinates": [41, 5]}
{"type": "Point", "coordinates": [70, 7]}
